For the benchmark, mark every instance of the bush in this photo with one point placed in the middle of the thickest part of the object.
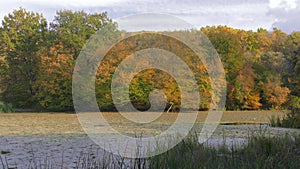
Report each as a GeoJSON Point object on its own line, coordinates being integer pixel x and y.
{"type": "Point", "coordinates": [295, 102]}
{"type": "Point", "coordinates": [6, 108]}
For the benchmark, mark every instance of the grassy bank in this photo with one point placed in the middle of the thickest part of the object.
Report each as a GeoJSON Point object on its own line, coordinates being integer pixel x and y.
{"type": "Point", "coordinates": [260, 152]}
{"type": "Point", "coordinates": [291, 120]}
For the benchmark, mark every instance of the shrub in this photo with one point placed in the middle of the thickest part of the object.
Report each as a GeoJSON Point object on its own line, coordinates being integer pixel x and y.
{"type": "Point", "coordinates": [295, 102]}
{"type": "Point", "coordinates": [6, 108]}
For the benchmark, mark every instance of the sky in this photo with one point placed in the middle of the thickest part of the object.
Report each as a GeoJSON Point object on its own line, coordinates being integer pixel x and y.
{"type": "Point", "coordinates": [241, 14]}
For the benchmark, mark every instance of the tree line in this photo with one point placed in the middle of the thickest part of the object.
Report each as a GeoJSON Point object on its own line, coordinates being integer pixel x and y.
{"type": "Point", "coordinates": [37, 60]}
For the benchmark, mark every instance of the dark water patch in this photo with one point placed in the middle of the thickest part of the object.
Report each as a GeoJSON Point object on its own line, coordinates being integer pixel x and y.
{"type": "Point", "coordinates": [3, 152]}
{"type": "Point", "coordinates": [244, 123]}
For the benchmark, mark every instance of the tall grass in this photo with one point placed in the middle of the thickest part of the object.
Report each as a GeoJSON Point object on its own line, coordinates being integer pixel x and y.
{"type": "Point", "coordinates": [260, 152]}
{"type": "Point", "coordinates": [291, 120]}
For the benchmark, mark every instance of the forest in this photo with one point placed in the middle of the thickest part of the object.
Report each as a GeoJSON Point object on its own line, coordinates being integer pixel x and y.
{"type": "Point", "coordinates": [37, 59]}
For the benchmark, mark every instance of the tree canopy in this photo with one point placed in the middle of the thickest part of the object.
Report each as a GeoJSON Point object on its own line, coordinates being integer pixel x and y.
{"type": "Point", "coordinates": [37, 60]}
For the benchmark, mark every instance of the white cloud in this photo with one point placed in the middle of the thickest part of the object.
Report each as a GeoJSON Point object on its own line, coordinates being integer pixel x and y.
{"type": "Point", "coordinates": [243, 14]}
{"type": "Point", "coordinates": [286, 15]}
{"type": "Point", "coordinates": [286, 4]}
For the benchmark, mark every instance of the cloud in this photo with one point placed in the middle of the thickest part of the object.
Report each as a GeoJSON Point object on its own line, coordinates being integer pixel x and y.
{"type": "Point", "coordinates": [235, 13]}
{"type": "Point", "coordinates": [287, 4]}
{"type": "Point", "coordinates": [286, 14]}
{"type": "Point", "coordinates": [242, 14]}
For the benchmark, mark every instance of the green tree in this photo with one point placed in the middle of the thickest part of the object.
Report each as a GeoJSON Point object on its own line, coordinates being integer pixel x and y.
{"type": "Point", "coordinates": [68, 33]}
{"type": "Point", "coordinates": [275, 63]}
{"type": "Point", "coordinates": [279, 39]}
{"type": "Point", "coordinates": [22, 35]}
{"type": "Point", "coordinates": [292, 50]}
{"type": "Point", "coordinates": [74, 28]}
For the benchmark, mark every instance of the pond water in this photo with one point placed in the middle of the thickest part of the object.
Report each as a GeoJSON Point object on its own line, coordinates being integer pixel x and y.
{"type": "Point", "coordinates": [57, 140]}
{"type": "Point", "coordinates": [66, 150]}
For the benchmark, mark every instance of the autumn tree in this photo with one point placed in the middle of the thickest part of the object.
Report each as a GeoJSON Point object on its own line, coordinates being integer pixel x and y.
{"type": "Point", "coordinates": [147, 81]}
{"type": "Point", "coordinates": [53, 84]}
{"type": "Point", "coordinates": [264, 39]}
{"type": "Point", "coordinates": [245, 94]}
{"type": "Point", "coordinates": [274, 95]}
{"type": "Point", "coordinates": [36, 63]}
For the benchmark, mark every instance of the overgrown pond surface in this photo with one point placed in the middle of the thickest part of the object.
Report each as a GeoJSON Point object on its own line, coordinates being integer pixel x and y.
{"type": "Point", "coordinates": [53, 139]}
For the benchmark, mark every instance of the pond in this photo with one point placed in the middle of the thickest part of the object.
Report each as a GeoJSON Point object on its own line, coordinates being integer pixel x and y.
{"type": "Point", "coordinates": [57, 138]}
